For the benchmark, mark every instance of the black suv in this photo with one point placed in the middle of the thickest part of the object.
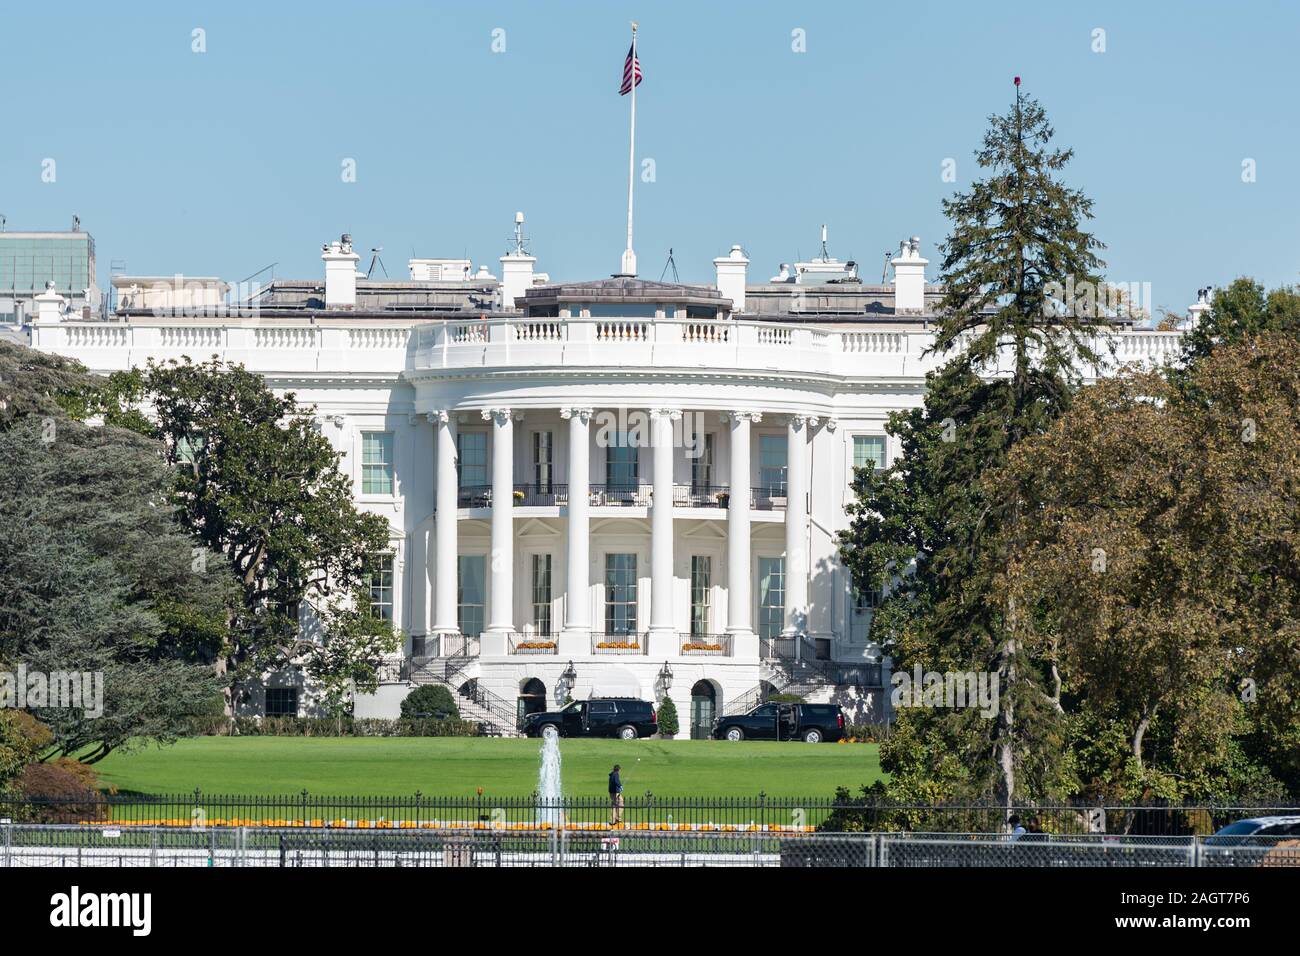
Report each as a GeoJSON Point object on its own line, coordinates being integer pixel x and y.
{"type": "Point", "coordinates": [812, 723]}
{"type": "Point", "coordinates": [624, 717]}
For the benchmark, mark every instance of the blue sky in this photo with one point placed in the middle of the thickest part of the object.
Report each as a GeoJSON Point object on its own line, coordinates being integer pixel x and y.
{"type": "Point", "coordinates": [226, 161]}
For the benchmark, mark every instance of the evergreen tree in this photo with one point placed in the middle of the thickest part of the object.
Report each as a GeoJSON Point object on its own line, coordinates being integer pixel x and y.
{"type": "Point", "coordinates": [1014, 340]}
{"type": "Point", "coordinates": [97, 573]}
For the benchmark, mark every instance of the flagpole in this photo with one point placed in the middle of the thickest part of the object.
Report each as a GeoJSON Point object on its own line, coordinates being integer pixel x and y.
{"type": "Point", "coordinates": [629, 257]}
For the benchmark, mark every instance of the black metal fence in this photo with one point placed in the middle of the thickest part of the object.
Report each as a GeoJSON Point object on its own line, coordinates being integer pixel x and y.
{"type": "Point", "coordinates": [646, 812]}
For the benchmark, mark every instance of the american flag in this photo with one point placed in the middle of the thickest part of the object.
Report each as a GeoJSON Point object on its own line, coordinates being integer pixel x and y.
{"type": "Point", "coordinates": [631, 72]}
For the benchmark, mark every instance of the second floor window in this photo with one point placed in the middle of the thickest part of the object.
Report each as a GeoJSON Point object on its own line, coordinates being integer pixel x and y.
{"type": "Point", "coordinates": [771, 464]}
{"type": "Point", "coordinates": [869, 451]}
{"type": "Point", "coordinates": [376, 463]}
{"type": "Point", "coordinates": [543, 461]}
{"type": "Point", "coordinates": [621, 466]}
{"type": "Point", "coordinates": [471, 459]}
{"type": "Point", "coordinates": [702, 464]}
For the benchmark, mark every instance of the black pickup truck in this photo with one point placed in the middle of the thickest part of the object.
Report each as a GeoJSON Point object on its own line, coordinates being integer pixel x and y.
{"type": "Point", "coordinates": [811, 723]}
{"type": "Point", "coordinates": [624, 717]}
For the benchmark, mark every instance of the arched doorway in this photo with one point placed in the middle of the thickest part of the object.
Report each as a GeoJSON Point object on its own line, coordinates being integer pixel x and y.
{"type": "Point", "coordinates": [704, 701]}
{"type": "Point", "coordinates": [532, 698]}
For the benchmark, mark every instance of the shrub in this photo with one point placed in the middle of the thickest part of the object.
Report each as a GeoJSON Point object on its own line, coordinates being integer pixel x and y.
{"type": "Point", "coordinates": [870, 733]}
{"type": "Point", "coordinates": [668, 724]}
{"type": "Point", "coordinates": [335, 727]}
{"type": "Point", "coordinates": [64, 791]}
{"type": "Point", "coordinates": [786, 699]}
{"type": "Point", "coordinates": [22, 738]}
{"type": "Point", "coordinates": [430, 700]}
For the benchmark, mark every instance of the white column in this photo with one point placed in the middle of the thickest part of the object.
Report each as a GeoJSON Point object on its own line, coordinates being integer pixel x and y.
{"type": "Point", "coordinates": [796, 526]}
{"type": "Point", "coordinates": [739, 613]}
{"type": "Point", "coordinates": [444, 527]}
{"type": "Point", "coordinates": [577, 580]}
{"type": "Point", "coordinates": [663, 631]}
{"type": "Point", "coordinates": [502, 557]}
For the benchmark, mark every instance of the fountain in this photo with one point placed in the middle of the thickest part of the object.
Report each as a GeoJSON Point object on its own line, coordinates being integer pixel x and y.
{"type": "Point", "coordinates": [549, 794]}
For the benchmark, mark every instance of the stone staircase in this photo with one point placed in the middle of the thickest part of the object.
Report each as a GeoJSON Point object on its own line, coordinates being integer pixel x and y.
{"type": "Point", "coordinates": [816, 681]}
{"type": "Point", "coordinates": [477, 704]}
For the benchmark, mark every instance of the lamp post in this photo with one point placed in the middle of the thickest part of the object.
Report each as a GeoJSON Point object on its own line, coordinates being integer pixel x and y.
{"type": "Point", "coordinates": [565, 684]}
{"type": "Point", "coordinates": [665, 680]}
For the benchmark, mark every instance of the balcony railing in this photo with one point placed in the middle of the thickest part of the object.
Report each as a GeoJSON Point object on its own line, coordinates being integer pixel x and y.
{"type": "Point", "coordinates": [767, 498]}
{"type": "Point", "coordinates": [700, 496]}
{"type": "Point", "coordinates": [705, 645]}
{"type": "Point", "coordinates": [474, 496]}
{"type": "Point", "coordinates": [622, 644]}
{"type": "Point", "coordinates": [629, 494]}
{"type": "Point", "coordinates": [621, 494]}
{"type": "Point", "coordinates": [526, 644]}
{"type": "Point", "coordinates": [549, 495]}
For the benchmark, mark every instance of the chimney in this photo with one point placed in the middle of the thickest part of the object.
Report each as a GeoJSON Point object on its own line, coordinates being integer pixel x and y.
{"type": "Point", "coordinates": [909, 278]}
{"type": "Point", "coordinates": [1197, 312]}
{"type": "Point", "coordinates": [731, 277]}
{"type": "Point", "coordinates": [49, 306]}
{"type": "Point", "coordinates": [340, 274]}
{"type": "Point", "coordinates": [516, 269]}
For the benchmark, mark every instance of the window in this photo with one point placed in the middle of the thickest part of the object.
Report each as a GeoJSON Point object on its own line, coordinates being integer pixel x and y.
{"type": "Point", "coordinates": [188, 448]}
{"type": "Point", "coordinates": [621, 467]}
{"type": "Point", "coordinates": [620, 594]}
{"type": "Point", "coordinates": [543, 461]}
{"type": "Point", "coordinates": [702, 464]}
{"type": "Point", "coordinates": [381, 586]}
{"type": "Point", "coordinates": [771, 597]}
{"type": "Point", "coordinates": [470, 589]}
{"type": "Point", "coordinates": [771, 464]}
{"type": "Point", "coordinates": [869, 450]}
{"type": "Point", "coordinates": [376, 463]}
{"type": "Point", "coordinates": [865, 600]}
{"type": "Point", "coordinates": [282, 702]}
{"type": "Point", "coordinates": [542, 593]}
{"type": "Point", "coordinates": [471, 459]}
{"type": "Point", "coordinates": [701, 591]}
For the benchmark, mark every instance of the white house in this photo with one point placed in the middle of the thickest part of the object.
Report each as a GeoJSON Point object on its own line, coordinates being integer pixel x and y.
{"type": "Point", "coordinates": [619, 486]}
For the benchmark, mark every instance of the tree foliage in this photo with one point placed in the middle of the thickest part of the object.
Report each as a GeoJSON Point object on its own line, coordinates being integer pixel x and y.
{"type": "Point", "coordinates": [1162, 558]}
{"type": "Point", "coordinates": [927, 527]}
{"type": "Point", "coordinates": [260, 485]}
{"type": "Point", "coordinates": [97, 574]}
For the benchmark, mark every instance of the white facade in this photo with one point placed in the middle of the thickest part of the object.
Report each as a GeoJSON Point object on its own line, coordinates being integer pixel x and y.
{"type": "Point", "coordinates": [604, 485]}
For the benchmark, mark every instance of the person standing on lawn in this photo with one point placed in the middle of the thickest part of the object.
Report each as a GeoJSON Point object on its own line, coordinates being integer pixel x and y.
{"type": "Point", "coordinates": [615, 796]}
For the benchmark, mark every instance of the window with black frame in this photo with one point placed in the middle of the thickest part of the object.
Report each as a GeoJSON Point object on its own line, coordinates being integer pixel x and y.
{"type": "Point", "coordinates": [543, 461]}
{"type": "Point", "coordinates": [282, 702]}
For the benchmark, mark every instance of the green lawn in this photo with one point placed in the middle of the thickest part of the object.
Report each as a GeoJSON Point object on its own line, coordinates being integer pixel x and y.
{"type": "Point", "coordinates": [454, 766]}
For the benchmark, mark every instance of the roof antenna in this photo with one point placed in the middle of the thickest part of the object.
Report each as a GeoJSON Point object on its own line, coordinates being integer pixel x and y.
{"type": "Point", "coordinates": [884, 273]}
{"type": "Point", "coordinates": [670, 265]}
{"type": "Point", "coordinates": [374, 257]}
{"type": "Point", "coordinates": [825, 255]}
{"type": "Point", "coordinates": [520, 239]}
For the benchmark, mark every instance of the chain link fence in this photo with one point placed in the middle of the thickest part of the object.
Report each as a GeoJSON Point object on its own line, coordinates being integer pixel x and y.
{"type": "Point", "coordinates": [52, 845]}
